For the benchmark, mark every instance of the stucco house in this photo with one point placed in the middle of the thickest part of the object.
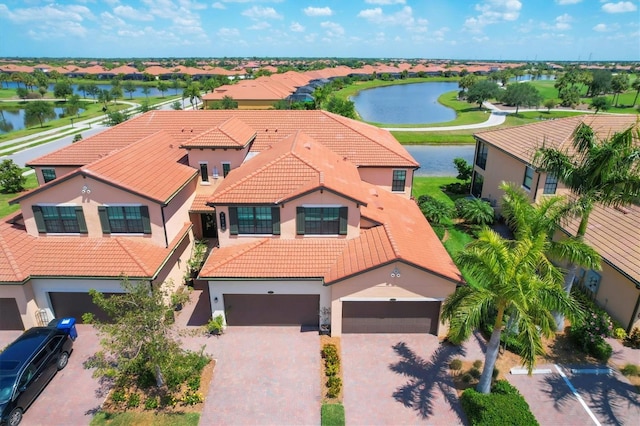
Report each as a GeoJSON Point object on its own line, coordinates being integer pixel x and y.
{"type": "Point", "coordinates": [308, 216]}
{"type": "Point", "coordinates": [507, 155]}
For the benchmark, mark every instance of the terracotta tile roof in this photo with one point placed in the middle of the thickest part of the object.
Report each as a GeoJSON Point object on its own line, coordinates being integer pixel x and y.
{"type": "Point", "coordinates": [362, 144]}
{"type": "Point", "coordinates": [249, 90]}
{"type": "Point", "coordinates": [615, 234]}
{"type": "Point", "coordinates": [523, 141]}
{"type": "Point", "coordinates": [23, 256]}
{"type": "Point", "coordinates": [158, 176]}
{"type": "Point", "coordinates": [232, 133]}
{"type": "Point", "coordinates": [294, 166]}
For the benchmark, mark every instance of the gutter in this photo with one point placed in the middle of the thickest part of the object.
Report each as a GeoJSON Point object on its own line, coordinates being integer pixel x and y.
{"type": "Point", "coordinates": [164, 226]}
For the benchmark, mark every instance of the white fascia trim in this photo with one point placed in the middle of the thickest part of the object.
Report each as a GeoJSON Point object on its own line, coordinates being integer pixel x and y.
{"type": "Point", "coordinates": [388, 299]}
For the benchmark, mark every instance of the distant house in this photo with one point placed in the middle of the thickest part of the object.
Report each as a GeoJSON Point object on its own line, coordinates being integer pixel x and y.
{"type": "Point", "coordinates": [308, 217]}
{"type": "Point", "coordinates": [507, 154]}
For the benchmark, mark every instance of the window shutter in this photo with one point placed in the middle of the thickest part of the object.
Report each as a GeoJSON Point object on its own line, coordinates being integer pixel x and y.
{"type": "Point", "coordinates": [37, 214]}
{"type": "Point", "coordinates": [146, 222]}
{"type": "Point", "coordinates": [233, 220]}
{"type": "Point", "coordinates": [343, 220]}
{"type": "Point", "coordinates": [82, 224]}
{"type": "Point", "coordinates": [300, 220]}
{"type": "Point", "coordinates": [104, 220]}
{"type": "Point", "coordinates": [275, 220]}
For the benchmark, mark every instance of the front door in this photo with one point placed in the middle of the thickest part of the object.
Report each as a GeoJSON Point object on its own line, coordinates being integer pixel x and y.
{"type": "Point", "coordinates": [209, 229]}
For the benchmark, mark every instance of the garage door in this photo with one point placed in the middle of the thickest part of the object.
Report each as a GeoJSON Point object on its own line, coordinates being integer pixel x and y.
{"type": "Point", "coordinates": [74, 305]}
{"type": "Point", "coordinates": [390, 317]}
{"type": "Point", "coordinates": [272, 309]}
{"type": "Point", "coordinates": [10, 318]}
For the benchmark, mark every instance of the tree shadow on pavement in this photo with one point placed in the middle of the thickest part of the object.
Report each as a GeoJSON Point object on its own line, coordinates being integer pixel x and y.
{"type": "Point", "coordinates": [426, 378]}
{"type": "Point", "coordinates": [611, 398]}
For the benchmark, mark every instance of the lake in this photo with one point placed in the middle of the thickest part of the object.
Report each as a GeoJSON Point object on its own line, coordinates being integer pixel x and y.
{"type": "Point", "coordinates": [437, 160]}
{"type": "Point", "coordinates": [14, 118]}
{"type": "Point", "coordinates": [415, 103]}
{"type": "Point", "coordinates": [137, 94]}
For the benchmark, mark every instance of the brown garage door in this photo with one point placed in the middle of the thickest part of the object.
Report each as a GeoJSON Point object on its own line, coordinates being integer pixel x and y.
{"type": "Point", "coordinates": [74, 305]}
{"type": "Point", "coordinates": [10, 318]}
{"type": "Point", "coordinates": [390, 317]}
{"type": "Point", "coordinates": [272, 309]}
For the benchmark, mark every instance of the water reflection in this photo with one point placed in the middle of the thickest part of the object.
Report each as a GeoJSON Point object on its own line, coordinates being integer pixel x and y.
{"type": "Point", "coordinates": [13, 118]}
{"type": "Point", "coordinates": [437, 160]}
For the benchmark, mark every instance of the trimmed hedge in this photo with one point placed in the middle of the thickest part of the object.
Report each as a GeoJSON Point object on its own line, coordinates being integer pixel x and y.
{"type": "Point", "coordinates": [503, 406]}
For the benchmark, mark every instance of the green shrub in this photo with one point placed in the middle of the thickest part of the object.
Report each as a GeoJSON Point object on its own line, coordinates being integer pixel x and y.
{"type": "Point", "coordinates": [589, 333]}
{"type": "Point", "coordinates": [630, 370]}
{"type": "Point", "coordinates": [194, 383]}
{"type": "Point", "coordinates": [146, 379]}
{"type": "Point", "coordinates": [434, 210]}
{"type": "Point", "coordinates": [334, 385]}
{"type": "Point", "coordinates": [477, 363]}
{"type": "Point", "coordinates": [633, 339]}
{"type": "Point", "coordinates": [475, 373]}
{"type": "Point", "coordinates": [619, 333]}
{"type": "Point", "coordinates": [151, 403]}
{"type": "Point", "coordinates": [495, 373]}
{"type": "Point", "coordinates": [184, 367]}
{"type": "Point", "coordinates": [215, 325]}
{"type": "Point", "coordinates": [134, 400]}
{"type": "Point", "coordinates": [474, 211]}
{"type": "Point", "coordinates": [118, 395]}
{"type": "Point", "coordinates": [330, 353]}
{"type": "Point", "coordinates": [504, 406]}
{"type": "Point", "coordinates": [332, 369]}
{"type": "Point", "coordinates": [192, 398]}
{"type": "Point", "coordinates": [467, 378]}
{"type": "Point", "coordinates": [455, 364]}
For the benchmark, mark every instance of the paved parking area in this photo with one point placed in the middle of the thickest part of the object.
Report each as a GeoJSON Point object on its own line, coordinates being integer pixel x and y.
{"type": "Point", "coordinates": [73, 395]}
{"type": "Point", "coordinates": [399, 379]}
{"type": "Point", "coordinates": [264, 376]}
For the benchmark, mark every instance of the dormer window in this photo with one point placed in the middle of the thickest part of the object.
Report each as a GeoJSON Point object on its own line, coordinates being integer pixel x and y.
{"type": "Point", "coordinates": [48, 175]}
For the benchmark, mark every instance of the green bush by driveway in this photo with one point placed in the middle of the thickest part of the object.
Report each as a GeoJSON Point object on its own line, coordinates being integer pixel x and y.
{"type": "Point", "coordinates": [503, 406]}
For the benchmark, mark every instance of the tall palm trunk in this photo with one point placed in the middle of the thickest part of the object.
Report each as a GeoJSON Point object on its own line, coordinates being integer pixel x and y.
{"type": "Point", "coordinates": [491, 354]}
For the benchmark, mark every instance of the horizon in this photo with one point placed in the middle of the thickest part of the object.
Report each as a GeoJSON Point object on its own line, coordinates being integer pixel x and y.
{"type": "Point", "coordinates": [481, 30]}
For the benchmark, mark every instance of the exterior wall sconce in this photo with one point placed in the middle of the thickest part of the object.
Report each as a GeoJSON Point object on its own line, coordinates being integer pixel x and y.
{"type": "Point", "coordinates": [223, 221]}
{"type": "Point", "coordinates": [215, 299]}
{"type": "Point", "coordinates": [395, 273]}
{"type": "Point", "coordinates": [85, 190]}
{"type": "Point", "coordinates": [270, 292]}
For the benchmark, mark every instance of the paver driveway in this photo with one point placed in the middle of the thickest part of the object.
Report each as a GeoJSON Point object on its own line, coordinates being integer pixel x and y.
{"type": "Point", "coordinates": [264, 375]}
{"type": "Point", "coordinates": [73, 396]}
{"type": "Point", "coordinates": [399, 379]}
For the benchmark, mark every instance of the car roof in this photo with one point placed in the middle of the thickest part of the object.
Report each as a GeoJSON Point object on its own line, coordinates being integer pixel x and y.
{"type": "Point", "coordinates": [28, 343]}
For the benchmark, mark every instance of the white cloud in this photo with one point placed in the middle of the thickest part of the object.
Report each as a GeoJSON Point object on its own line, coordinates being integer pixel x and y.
{"type": "Point", "coordinates": [260, 26]}
{"type": "Point", "coordinates": [259, 12]}
{"type": "Point", "coordinates": [128, 12]}
{"type": "Point", "coordinates": [52, 21]}
{"type": "Point", "coordinates": [228, 32]}
{"type": "Point", "coordinates": [563, 22]}
{"type": "Point", "coordinates": [218, 5]}
{"type": "Point", "coordinates": [492, 12]}
{"type": "Point", "coordinates": [333, 29]}
{"type": "Point", "coordinates": [601, 28]}
{"type": "Point", "coordinates": [385, 2]}
{"type": "Point", "coordinates": [620, 7]}
{"type": "Point", "coordinates": [376, 16]}
{"type": "Point", "coordinates": [565, 2]}
{"type": "Point", "coordinates": [296, 27]}
{"type": "Point", "coordinates": [318, 11]}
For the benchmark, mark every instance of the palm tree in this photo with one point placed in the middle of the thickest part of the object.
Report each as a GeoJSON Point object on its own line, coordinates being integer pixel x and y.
{"type": "Point", "coordinates": [514, 280]}
{"type": "Point", "coordinates": [636, 86]}
{"type": "Point", "coordinates": [605, 172]}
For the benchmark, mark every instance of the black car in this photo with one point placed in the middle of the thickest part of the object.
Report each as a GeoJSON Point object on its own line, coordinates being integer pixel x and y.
{"type": "Point", "coordinates": [27, 365]}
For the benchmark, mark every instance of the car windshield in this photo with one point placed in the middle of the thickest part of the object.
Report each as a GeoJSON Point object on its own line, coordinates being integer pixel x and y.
{"type": "Point", "coordinates": [6, 387]}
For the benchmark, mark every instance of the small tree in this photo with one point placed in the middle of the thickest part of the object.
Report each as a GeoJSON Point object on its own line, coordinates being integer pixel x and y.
{"type": "Point", "coordinates": [518, 94]}
{"type": "Point", "coordinates": [39, 110]}
{"type": "Point", "coordinates": [62, 89]}
{"type": "Point", "coordinates": [129, 87]}
{"type": "Point", "coordinates": [139, 339]}
{"type": "Point", "coordinates": [176, 105]}
{"type": "Point", "coordinates": [162, 87]}
{"type": "Point", "coordinates": [482, 91]}
{"type": "Point", "coordinates": [116, 117]}
{"type": "Point", "coordinates": [549, 104]}
{"type": "Point", "coordinates": [600, 103]}
{"type": "Point", "coordinates": [11, 178]}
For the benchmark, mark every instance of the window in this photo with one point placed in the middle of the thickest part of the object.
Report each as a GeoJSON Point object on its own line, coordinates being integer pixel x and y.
{"type": "Point", "coordinates": [60, 219]}
{"type": "Point", "coordinates": [254, 220]}
{"type": "Point", "coordinates": [550, 184]}
{"type": "Point", "coordinates": [321, 220]}
{"type": "Point", "coordinates": [399, 179]}
{"type": "Point", "coordinates": [477, 184]}
{"type": "Point", "coordinates": [528, 177]}
{"type": "Point", "coordinates": [48, 175]}
{"type": "Point", "coordinates": [226, 168]}
{"type": "Point", "coordinates": [481, 155]}
{"type": "Point", "coordinates": [204, 172]}
{"type": "Point", "coordinates": [125, 219]}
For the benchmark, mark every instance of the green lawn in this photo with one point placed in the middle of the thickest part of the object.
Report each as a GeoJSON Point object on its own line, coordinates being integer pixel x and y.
{"type": "Point", "coordinates": [5, 208]}
{"type": "Point", "coordinates": [145, 418]}
{"type": "Point", "coordinates": [332, 415]}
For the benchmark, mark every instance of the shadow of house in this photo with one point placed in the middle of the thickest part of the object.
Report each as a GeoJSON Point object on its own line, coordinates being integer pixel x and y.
{"type": "Point", "coordinates": [612, 399]}
{"type": "Point", "coordinates": [425, 378]}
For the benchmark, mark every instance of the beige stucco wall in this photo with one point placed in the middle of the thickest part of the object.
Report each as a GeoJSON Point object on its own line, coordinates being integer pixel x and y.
{"type": "Point", "coordinates": [618, 296]}
{"type": "Point", "coordinates": [176, 213]}
{"type": "Point", "coordinates": [383, 177]}
{"type": "Point", "coordinates": [288, 218]}
{"type": "Point", "coordinates": [173, 271]}
{"type": "Point", "coordinates": [215, 157]}
{"type": "Point", "coordinates": [25, 299]}
{"type": "Point", "coordinates": [412, 285]}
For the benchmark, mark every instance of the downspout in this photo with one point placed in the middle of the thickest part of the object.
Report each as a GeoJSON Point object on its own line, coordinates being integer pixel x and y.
{"type": "Point", "coordinates": [164, 227]}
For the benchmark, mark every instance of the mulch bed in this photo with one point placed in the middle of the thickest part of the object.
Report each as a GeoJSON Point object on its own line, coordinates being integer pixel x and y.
{"type": "Point", "coordinates": [323, 378]}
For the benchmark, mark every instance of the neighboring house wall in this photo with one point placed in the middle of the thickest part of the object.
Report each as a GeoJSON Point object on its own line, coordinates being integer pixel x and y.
{"type": "Point", "coordinates": [176, 213]}
{"type": "Point", "coordinates": [58, 170]}
{"type": "Point", "coordinates": [378, 285]}
{"type": "Point", "coordinates": [25, 299]}
{"type": "Point", "coordinates": [383, 177]}
{"type": "Point", "coordinates": [173, 271]}
{"type": "Point", "coordinates": [214, 159]}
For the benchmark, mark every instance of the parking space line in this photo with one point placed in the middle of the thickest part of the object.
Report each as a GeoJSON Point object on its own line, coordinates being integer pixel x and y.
{"type": "Point", "coordinates": [577, 395]}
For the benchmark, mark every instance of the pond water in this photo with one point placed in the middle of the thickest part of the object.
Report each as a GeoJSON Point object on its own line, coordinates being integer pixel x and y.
{"type": "Point", "coordinates": [137, 94]}
{"type": "Point", "coordinates": [529, 77]}
{"type": "Point", "coordinates": [14, 118]}
{"type": "Point", "coordinates": [415, 103]}
{"type": "Point", "coordinates": [437, 160]}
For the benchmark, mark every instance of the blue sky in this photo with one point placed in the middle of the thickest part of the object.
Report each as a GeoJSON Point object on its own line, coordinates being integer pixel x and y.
{"type": "Point", "coordinates": [456, 29]}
